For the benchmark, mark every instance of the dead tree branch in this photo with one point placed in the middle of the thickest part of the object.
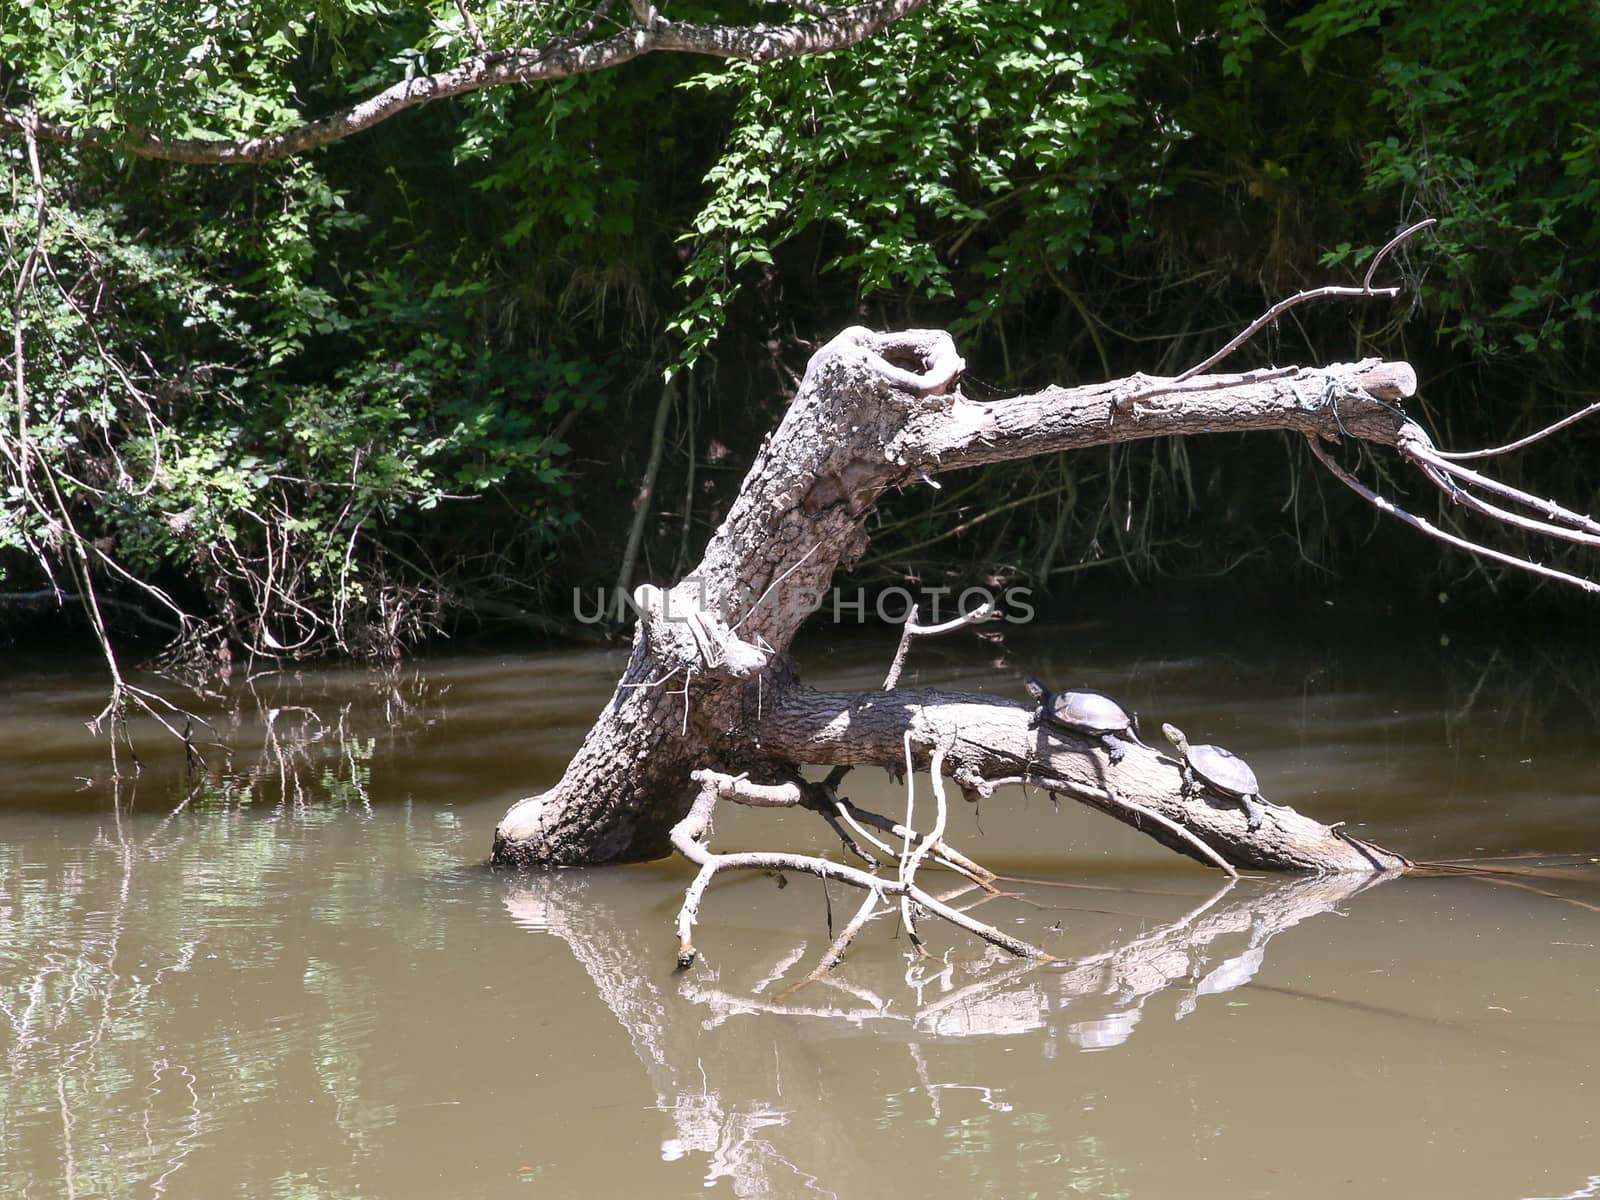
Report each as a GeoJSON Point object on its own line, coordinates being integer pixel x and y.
{"type": "Point", "coordinates": [992, 743]}
{"type": "Point", "coordinates": [880, 411]}
{"type": "Point", "coordinates": [877, 411]}
{"type": "Point", "coordinates": [689, 837]}
{"type": "Point", "coordinates": [1365, 291]}
{"type": "Point", "coordinates": [1449, 477]}
{"type": "Point", "coordinates": [1523, 442]}
{"type": "Point", "coordinates": [912, 630]}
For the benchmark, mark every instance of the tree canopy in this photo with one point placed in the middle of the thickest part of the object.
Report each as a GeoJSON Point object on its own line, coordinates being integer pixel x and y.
{"type": "Point", "coordinates": [344, 397]}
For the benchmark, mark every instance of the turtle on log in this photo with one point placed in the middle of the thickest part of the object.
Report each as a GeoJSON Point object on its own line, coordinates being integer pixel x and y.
{"type": "Point", "coordinates": [1223, 771]}
{"type": "Point", "coordinates": [1093, 714]}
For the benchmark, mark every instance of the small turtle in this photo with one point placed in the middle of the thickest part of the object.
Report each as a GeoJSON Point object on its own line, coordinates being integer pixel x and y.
{"type": "Point", "coordinates": [1093, 714]}
{"type": "Point", "coordinates": [1223, 772]}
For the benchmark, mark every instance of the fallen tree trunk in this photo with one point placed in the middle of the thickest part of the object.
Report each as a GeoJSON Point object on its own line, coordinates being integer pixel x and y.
{"type": "Point", "coordinates": [708, 684]}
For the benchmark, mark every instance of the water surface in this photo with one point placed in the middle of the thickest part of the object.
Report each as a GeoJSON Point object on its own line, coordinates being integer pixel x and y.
{"type": "Point", "coordinates": [289, 974]}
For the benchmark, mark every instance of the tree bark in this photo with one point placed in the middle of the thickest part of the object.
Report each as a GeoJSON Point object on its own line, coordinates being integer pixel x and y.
{"type": "Point", "coordinates": [709, 685]}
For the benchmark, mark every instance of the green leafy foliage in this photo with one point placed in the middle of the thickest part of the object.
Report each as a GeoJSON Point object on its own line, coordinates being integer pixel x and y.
{"type": "Point", "coordinates": [973, 142]}
{"type": "Point", "coordinates": [244, 386]}
{"type": "Point", "coordinates": [307, 396]}
{"type": "Point", "coordinates": [1493, 123]}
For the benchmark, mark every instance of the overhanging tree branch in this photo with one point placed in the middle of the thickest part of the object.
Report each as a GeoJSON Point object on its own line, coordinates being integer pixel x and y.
{"type": "Point", "coordinates": [558, 58]}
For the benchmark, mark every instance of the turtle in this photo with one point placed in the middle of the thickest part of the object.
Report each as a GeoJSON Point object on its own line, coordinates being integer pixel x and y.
{"type": "Point", "coordinates": [1223, 771]}
{"type": "Point", "coordinates": [1093, 714]}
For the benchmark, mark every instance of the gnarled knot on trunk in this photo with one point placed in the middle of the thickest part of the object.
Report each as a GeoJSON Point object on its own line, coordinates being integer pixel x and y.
{"type": "Point", "coordinates": [682, 633]}
{"type": "Point", "coordinates": [923, 362]}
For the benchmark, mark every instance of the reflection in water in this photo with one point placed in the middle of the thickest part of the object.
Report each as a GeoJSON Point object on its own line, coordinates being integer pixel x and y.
{"type": "Point", "coordinates": [294, 980]}
{"type": "Point", "coordinates": [157, 988]}
{"type": "Point", "coordinates": [100, 946]}
{"type": "Point", "coordinates": [1094, 1001]}
{"type": "Point", "coordinates": [1590, 1188]}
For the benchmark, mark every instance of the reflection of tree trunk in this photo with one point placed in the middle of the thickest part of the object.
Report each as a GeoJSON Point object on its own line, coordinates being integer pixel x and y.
{"type": "Point", "coordinates": [708, 685]}
{"type": "Point", "coordinates": [726, 1103]}
{"type": "Point", "coordinates": [724, 1108]}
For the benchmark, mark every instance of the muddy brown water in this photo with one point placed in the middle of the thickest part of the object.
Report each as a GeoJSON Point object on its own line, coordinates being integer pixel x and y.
{"type": "Point", "coordinates": [299, 980]}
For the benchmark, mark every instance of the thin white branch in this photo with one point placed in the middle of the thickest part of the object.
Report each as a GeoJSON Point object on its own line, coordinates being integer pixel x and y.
{"type": "Point", "coordinates": [1433, 531]}
{"type": "Point", "coordinates": [912, 860]}
{"type": "Point", "coordinates": [1416, 445]}
{"type": "Point", "coordinates": [687, 838]}
{"type": "Point", "coordinates": [1460, 495]}
{"type": "Point", "coordinates": [1521, 443]}
{"type": "Point", "coordinates": [835, 953]}
{"type": "Point", "coordinates": [912, 629]}
{"type": "Point", "coordinates": [948, 855]}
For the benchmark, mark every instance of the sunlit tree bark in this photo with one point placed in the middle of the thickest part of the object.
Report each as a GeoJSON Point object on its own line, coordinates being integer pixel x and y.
{"type": "Point", "coordinates": [709, 683]}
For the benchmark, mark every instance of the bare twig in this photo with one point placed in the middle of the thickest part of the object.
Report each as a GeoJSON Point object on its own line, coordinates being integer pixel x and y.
{"type": "Point", "coordinates": [911, 629]}
{"type": "Point", "coordinates": [842, 808]}
{"type": "Point", "coordinates": [1466, 499]}
{"type": "Point", "coordinates": [946, 854]}
{"type": "Point", "coordinates": [1366, 290]}
{"type": "Point", "coordinates": [771, 587]}
{"type": "Point", "coordinates": [915, 854]}
{"type": "Point", "coordinates": [1391, 244]}
{"type": "Point", "coordinates": [1521, 443]}
{"type": "Point", "coordinates": [1415, 445]}
{"type": "Point", "coordinates": [473, 31]}
{"type": "Point", "coordinates": [1151, 388]}
{"type": "Point", "coordinates": [835, 953]}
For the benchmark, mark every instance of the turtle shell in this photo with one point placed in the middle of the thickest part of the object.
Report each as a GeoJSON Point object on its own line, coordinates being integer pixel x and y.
{"type": "Point", "coordinates": [1091, 712]}
{"type": "Point", "coordinates": [1224, 770]}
